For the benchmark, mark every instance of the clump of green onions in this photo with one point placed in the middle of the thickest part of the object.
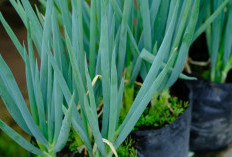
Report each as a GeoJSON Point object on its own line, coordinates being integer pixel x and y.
{"type": "Point", "coordinates": [81, 43]}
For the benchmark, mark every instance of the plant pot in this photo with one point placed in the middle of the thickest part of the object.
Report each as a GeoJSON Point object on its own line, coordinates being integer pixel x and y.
{"type": "Point", "coordinates": [170, 141]}
{"type": "Point", "coordinates": [211, 127]}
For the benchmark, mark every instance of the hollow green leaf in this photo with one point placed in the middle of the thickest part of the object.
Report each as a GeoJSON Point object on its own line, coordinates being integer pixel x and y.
{"type": "Point", "coordinates": [94, 127]}
{"type": "Point", "coordinates": [93, 32]}
{"type": "Point", "coordinates": [12, 87]}
{"type": "Point", "coordinates": [104, 48]}
{"type": "Point", "coordinates": [12, 36]}
{"type": "Point", "coordinates": [34, 23]}
{"type": "Point", "coordinates": [12, 107]}
{"type": "Point", "coordinates": [113, 99]}
{"type": "Point", "coordinates": [123, 37]}
{"type": "Point", "coordinates": [65, 129]}
{"type": "Point", "coordinates": [44, 59]}
{"type": "Point", "coordinates": [144, 8]}
{"type": "Point", "coordinates": [209, 20]}
{"type": "Point", "coordinates": [185, 44]}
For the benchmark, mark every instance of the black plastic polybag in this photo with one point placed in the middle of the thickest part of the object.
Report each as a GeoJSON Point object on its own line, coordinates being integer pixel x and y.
{"type": "Point", "coordinates": [211, 127]}
{"type": "Point", "coordinates": [170, 141]}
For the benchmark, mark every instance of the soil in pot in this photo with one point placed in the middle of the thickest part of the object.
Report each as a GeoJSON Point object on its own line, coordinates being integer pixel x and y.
{"type": "Point", "coordinates": [163, 130]}
{"type": "Point", "coordinates": [211, 116]}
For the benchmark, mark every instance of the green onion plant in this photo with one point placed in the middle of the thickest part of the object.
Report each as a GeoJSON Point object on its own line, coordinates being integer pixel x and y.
{"type": "Point", "coordinates": [79, 44]}
{"type": "Point", "coordinates": [151, 22]}
{"type": "Point", "coordinates": [43, 117]}
{"type": "Point", "coordinates": [214, 22]}
{"type": "Point", "coordinates": [219, 41]}
{"type": "Point", "coordinates": [110, 38]}
{"type": "Point", "coordinates": [159, 16]}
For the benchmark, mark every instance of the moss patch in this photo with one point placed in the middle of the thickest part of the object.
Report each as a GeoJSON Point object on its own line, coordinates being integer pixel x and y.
{"type": "Point", "coordinates": [164, 111]}
{"type": "Point", "coordinates": [127, 149]}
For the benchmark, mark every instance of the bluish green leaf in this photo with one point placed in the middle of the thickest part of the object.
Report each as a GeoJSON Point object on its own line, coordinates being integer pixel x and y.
{"type": "Point", "coordinates": [12, 87]}
{"type": "Point", "coordinates": [104, 48]}
{"type": "Point", "coordinates": [113, 99]}
{"type": "Point", "coordinates": [65, 129]}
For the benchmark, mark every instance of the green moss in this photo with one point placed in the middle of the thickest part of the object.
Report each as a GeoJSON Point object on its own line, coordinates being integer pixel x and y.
{"type": "Point", "coordinates": [127, 149]}
{"type": "Point", "coordinates": [74, 142]}
{"type": "Point", "coordinates": [164, 111]}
